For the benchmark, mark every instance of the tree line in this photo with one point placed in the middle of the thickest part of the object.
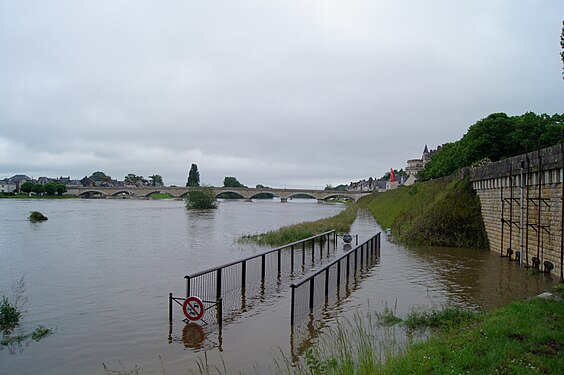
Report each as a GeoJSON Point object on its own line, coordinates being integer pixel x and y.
{"type": "Point", "coordinates": [494, 138]}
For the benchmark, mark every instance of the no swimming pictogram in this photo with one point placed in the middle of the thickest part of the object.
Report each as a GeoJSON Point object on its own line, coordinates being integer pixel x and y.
{"type": "Point", "coordinates": [193, 308]}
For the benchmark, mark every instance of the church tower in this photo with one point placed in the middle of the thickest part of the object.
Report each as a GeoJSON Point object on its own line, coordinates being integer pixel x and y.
{"type": "Point", "coordinates": [426, 155]}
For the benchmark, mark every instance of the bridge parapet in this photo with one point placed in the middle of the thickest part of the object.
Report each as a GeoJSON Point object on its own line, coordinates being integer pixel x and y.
{"type": "Point", "coordinates": [246, 193]}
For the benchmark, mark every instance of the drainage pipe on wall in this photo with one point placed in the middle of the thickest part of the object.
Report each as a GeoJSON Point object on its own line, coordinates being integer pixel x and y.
{"type": "Point", "coordinates": [522, 209]}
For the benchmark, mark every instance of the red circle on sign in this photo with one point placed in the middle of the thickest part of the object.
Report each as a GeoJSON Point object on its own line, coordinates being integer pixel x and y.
{"type": "Point", "coordinates": [193, 308]}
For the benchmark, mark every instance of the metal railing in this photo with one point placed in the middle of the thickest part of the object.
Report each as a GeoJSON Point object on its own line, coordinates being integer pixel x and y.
{"type": "Point", "coordinates": [318, 287]}
{"type": "Point", "coordinates": [250, 274]}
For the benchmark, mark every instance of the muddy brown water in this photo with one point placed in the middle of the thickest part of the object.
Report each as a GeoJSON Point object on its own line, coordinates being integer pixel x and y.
{"type": "Point", "coordinates": [98, 273]}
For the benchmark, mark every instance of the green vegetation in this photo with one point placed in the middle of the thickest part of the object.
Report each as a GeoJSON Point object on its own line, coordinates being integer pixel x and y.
{"type": "Point", "coordinates": [524, 337]}
{"type": "Point", "coordinates": [133, 179]}
{"type": "Point", "coordinates": [50, 188]}
{"type": "Point", "coordinates": [161, 196]}
{"type": "Point", "coordinates": [495, 137]}
{"type": "Point", "coordinates": [155, 180]}
{"type": "Point", "coordinates": [292, 233]}
{"type": "Point", "coordinates": [201, 198]}
{"type": "Point", "coordinates": [36, 216]}
{"type": "Point", "coordinates": [447, 318]}
{"type": "Point", "coordinates": [232, 182]}
{"type": "Point", "coordinates": [193, 176]}
{"type": "Point", "coordinates": [442, 212]}
{"type": "Point", "coordinates": [100, 176]}
{"type": "Point", "coordinates": [11, 314]}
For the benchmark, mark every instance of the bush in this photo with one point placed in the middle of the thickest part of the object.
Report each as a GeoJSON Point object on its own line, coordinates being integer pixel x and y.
{"type": "Point", "coordinates": [200, 198]}
{"type": "Point", "coordinates": [36, 216]}
{"type": "Point", "coordinates": [9, 315]}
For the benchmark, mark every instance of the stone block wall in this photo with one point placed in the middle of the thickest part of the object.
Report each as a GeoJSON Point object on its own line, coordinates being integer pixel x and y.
{"type": "Point", "coordinates": [521, 201]}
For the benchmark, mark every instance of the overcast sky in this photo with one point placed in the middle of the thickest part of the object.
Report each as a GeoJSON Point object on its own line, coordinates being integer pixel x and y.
{"type": "Point", "coordinates": [286, 93]}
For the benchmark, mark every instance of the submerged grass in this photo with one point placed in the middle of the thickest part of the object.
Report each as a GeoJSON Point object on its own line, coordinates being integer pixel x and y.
{"type": "Point", "coordinates": [292, 233]}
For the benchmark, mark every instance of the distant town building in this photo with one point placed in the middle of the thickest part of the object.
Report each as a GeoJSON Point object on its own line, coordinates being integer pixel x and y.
{"type": "Point", "coordinates": [414, 166]}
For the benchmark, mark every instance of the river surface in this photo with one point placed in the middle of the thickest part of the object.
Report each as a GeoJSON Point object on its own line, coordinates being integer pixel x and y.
{"type": "Point", "coordinates": [98, 273]}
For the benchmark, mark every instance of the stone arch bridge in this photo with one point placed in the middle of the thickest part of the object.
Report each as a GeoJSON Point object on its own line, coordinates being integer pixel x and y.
{"type": "Point", "coordinates": [179, 192]}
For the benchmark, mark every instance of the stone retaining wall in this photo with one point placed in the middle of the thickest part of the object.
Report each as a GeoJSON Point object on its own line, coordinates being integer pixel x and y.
{"type": "Point", "coordinates": [520, 216]}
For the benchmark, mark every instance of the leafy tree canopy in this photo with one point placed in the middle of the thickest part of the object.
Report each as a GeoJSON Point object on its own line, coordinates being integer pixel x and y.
{"type": "Point", "coordinates": [133, 179]}
{"type": "Point", "coordinates": [193, 176]}
{"type": "Point", "coordinates": [100, 176]}
{"type": "Point", "coordinates": [201, 198]}
{"type": "Point", "coordinates": [495, 137]}
{"type": "Point", "coordinates": [232, 182]}
{"type": "Point", "coordinates": [27, 187]}
{"type": "Point", "coordinates": [156, 180]}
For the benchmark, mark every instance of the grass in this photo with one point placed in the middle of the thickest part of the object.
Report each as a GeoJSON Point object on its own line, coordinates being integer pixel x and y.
{"type": "Point", "coordinates": [446, 318]}
{"type": "Point", "coordinates": [522, 338]}
{"type": "Point", "coordinates": [442, 212]}
{"type": "Point", "coordinates": [292, 233]}
{"type": "Point", "coordinates": [161, 196]}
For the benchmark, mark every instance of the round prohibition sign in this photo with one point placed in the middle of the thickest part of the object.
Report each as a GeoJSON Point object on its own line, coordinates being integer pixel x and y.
{"type": "Point", "coordinates": [193, 308]}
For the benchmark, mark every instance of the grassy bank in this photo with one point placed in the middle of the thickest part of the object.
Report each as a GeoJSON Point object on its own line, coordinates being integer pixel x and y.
{"type": "Point", "coordinates": [292, 233]}
{"type": "Point", "coordinates": [442, 212]}
{"type": "Point", "coordinates": [522, 338]}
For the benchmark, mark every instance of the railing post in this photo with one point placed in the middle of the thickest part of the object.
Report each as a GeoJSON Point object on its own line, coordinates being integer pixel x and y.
{"type": "Point", "coordinates": [292, 304]}
{"type": "Point", "coordinates": [243, 274]}
{"type": "Point", "coordinates": [220, 312]}
{"type": "Point", "coordinates": [338, 274]}
{"type": "Point", "coordinates": [355, 261]}
{"type": "Point", "coordinates": [313, 250]}
{"type": "Point", "coordinates": [218, 285]}
{"type": "Point", "coordinates": [303, 253]}
{"type": "Point", "coordinates": [361, 255]}
{"type": "Point", "coordinates": [348, 269]}
{"type": "Point", "coordinates": [187, 286]}
{"type": "Point", "coordinates": [292, 259]}
{"type": "Point", "coordinates": [311, 292]}
{"type": "Point", "coordinates": [326, 283]}
{"type": "Point", "coordinates": [263, 266]}
{"type": "Point", "coordinates": [170, 307]}
{"type": "Point", "coordinates": [279, 262]}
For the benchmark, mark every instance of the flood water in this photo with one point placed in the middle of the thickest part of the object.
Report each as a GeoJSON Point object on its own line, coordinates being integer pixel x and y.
{"type": "Point", "coordinates": [98, 273]}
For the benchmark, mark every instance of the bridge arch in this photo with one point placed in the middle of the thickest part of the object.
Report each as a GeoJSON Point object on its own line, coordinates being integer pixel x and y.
{"type": "Point", "coordinates": [91, 193]}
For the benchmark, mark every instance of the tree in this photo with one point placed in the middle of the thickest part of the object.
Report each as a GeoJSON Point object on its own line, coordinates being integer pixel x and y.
{"type": "Point", "coordinates": [27, 187]}
{"type": "Point", "coordinates": [155, 180]}
{"type": "Point", "coordinates": [100, 176]}
{"type": "Point", "coordinates": [133, 179]}
{"type": "Point", "coordinates": [50, 188]}
{"type": "Point", "coordinates": [193, 176]}
{"type": "Point", "coordinates": [38, 189]}
{"type": "Point", "coordinates": [61, 189]}
{"type": "Point", "coordinates": [232, 182]}
{"type": "Point", "coordinates": [200, 198]}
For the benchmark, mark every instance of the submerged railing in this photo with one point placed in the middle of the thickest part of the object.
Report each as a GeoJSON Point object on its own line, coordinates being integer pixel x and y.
{"type": "Point", "coordinates": [230, 286]}
{"type": "Point", "coordinates": [318, 287]}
